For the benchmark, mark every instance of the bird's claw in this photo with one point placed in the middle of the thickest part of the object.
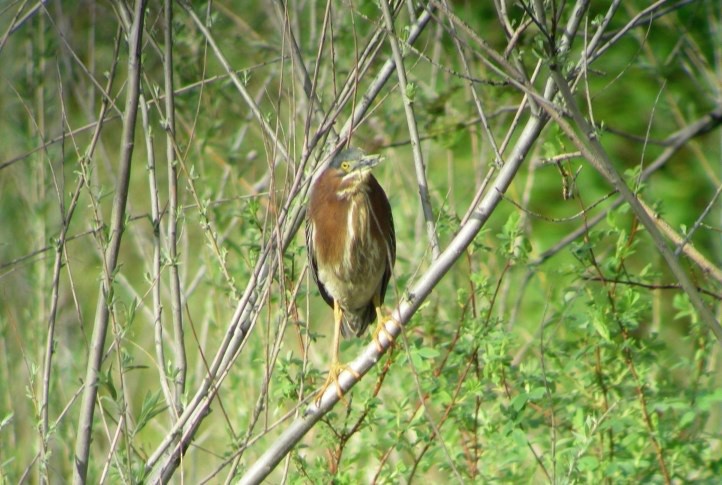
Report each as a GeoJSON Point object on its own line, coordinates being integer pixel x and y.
{"type": "Point", "coordinates": [333, 373]}
{"type": "Point", "coordinates": [381, 328]}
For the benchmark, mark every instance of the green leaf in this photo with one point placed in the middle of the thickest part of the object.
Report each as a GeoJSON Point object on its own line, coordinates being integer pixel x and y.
{"type": "Point", "coordinates": [600, 325]}
{"type": "Point", "coordinates": [151, 407]}
{"type": "Point", "coordinates": [588, 463]}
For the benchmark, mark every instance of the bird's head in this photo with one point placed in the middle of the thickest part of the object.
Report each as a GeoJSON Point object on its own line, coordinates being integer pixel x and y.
{"type": "Point", "coordinates": [353, 169]}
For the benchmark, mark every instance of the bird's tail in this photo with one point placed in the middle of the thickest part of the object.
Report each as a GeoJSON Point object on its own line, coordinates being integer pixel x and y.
{"type": "Point", "coordinates": [354, 324]}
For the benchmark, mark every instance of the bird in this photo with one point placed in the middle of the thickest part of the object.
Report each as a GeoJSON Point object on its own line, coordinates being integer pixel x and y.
{"type": "Point", "coordinates": [351, 244]}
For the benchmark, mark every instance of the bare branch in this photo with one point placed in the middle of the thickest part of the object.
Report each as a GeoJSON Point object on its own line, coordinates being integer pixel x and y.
{"type": "Point", "coordinates": [407, 96]}
{"type": "Point", "coordinates": [100, 328]}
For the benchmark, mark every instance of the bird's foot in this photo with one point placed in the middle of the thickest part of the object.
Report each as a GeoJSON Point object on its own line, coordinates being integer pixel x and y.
{"type": "Point", "coordinates": [334, 372]}
{"type": "Point", "coordinates": [381, 329]}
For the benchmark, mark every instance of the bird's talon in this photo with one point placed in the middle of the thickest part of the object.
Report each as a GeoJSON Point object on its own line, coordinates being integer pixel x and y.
{"type": "Point", "coordinates": [333, 374]}
{"type": "Point", "coordinates": [381, 328]}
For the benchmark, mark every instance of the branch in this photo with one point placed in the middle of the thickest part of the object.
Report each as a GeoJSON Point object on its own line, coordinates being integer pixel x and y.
{"type": "Point", "coordinates": [674, 142]}
{"type": "Point", "coordinates": [267, 129]}
{"type": "Point", "coordinates": [100, 327]}
{"type": "Point", "coordinates": [595, 154]}
{"type": "Point", "coordinates": [180, 362]}
{"type": "Point", "coordinates": [404, 87]}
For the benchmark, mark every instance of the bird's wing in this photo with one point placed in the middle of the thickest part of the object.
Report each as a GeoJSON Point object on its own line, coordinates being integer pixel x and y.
{"type": "Point", "coordinates": [390, 241]}
{"type": "Point", "coordinates": [391, 247]}
{"type": "Point", "coordinates": [313, 265]}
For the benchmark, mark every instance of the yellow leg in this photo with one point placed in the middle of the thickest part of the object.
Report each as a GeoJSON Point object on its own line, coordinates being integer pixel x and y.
{"type": "Point", "coordinates": [336, 368]}
{"type": "Point", "coordinates": [381, 327]}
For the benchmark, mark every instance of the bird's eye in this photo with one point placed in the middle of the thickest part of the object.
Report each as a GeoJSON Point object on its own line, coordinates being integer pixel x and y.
{"type": "Point", "coordinates": [345, 166]}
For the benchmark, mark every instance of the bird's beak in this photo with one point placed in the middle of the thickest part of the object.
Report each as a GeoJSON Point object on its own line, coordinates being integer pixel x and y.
{"type": "Point", "coordinates": [368, 162]}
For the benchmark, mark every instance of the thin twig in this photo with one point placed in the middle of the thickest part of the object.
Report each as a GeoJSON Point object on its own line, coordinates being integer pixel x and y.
{"type": "Point", "coordinates": [595, 154]}
{"type": "Point", "coordinates": [155, 269]}
{"type": "Point", "coordinates": [180, 364]}
{"type": "Point", "coordinates": [407, 97]}
{"type": "Point", "coordinates": [100, 327]}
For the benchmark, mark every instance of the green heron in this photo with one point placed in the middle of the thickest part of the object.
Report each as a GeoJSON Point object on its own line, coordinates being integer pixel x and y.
{"type": "Point", "coordinates": [351, 246]}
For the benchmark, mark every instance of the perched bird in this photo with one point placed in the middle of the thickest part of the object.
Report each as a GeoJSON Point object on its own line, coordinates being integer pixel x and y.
{"type": "Point", "coordinates": [351, 246]}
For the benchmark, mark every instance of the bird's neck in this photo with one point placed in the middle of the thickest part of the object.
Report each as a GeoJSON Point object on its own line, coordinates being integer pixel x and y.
{"type": "Point", "coordinates": [354, 187]}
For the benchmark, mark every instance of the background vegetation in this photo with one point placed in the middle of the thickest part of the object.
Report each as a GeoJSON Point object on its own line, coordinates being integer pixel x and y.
{"type": "Point", "coordinates": [154, 164]}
